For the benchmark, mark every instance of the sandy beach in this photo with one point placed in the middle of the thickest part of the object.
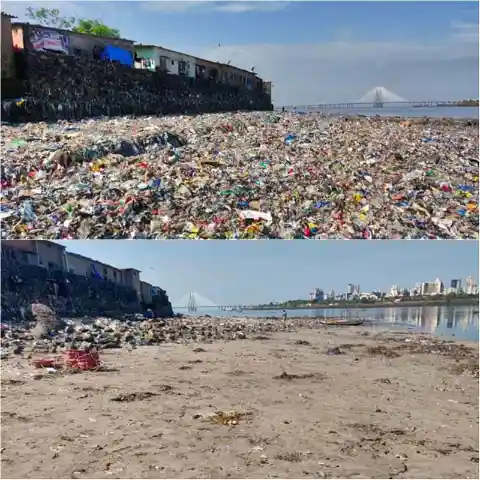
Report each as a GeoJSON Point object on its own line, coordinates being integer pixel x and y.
{"type": "Point", "coordinates": [388, 406]}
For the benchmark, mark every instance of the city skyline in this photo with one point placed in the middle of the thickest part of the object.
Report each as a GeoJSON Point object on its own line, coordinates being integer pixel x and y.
{"type": "Point", "coordinates": [245, 272]}
{"type": "Point", "coordinates": [438, 286]}
{"type": "Point", "coordinates": [314, 52]}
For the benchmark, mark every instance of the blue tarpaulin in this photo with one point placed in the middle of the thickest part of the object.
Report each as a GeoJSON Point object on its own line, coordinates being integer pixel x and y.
{"type": "Point", "coordinates": [119, 54]}
{"type": "Point", "coordinates": [95, 273]}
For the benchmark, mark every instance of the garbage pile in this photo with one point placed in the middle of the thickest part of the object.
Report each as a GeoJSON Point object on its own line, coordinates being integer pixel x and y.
{"type": "Point", "coordinates": [241, 176]}
{"type": "Point", "coordinates": [70, 87]}
{"type": "Point", "coordinates": [105, 333]}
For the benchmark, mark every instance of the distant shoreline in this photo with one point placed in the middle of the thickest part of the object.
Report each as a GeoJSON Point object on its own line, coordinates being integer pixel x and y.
{"type": "Point", "coordinates": [439, 303]}
{"type": "Point", "coordinates": [453, 106]}
{"type": "Point", "coordinates": [468, 114]}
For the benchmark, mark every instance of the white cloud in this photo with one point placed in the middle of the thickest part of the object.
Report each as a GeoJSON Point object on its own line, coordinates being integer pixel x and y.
{"type": "Point", "coordinates": [344, 71]}
{"type": "Point", "coordinates": [172, 6]}
{"type": "Point", "coordinates": [241, 7]}
{"type": "Point", "coordinates": [464, 31]}
{"type": "Point", "coordinates": [236, 6]}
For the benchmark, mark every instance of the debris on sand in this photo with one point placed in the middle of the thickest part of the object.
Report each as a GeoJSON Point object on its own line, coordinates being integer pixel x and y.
{"type": "Point", "coordinates": [224, 417]}
{"type": "Point", "coordinates": [291, 376]}
{"type": "Point", "coordinates": [289, 457]}
{"type": "Point", "coordinates": [466, 358]}
{"type": "Point", "coordinates": [383, 351]}
{"type": "Point", "coordinates": [334, 351]}
{"type": "Point", "coordinates": [230, 417]}
{"type": "Point", "coordinates": [132, 397]}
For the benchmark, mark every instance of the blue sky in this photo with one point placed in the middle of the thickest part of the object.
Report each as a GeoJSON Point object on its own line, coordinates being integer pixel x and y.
{"type": "Point", "coordinates": [313, 52]}
{"type": "Point", "coordinates": [249, 272]}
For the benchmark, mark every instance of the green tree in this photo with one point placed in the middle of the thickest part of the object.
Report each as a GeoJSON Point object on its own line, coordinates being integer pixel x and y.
{"type": "Point", "coordinates": [94, 27]}
{"type": "Point", "coordinates": [50, 17]}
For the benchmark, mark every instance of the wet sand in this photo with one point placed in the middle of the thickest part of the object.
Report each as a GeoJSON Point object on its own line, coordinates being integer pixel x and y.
{"type": "Point", "coordinates": [385, 408]}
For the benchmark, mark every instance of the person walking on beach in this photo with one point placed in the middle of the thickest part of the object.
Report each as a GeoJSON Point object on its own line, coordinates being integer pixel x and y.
{"type": "Point", "coordinates": [284, 316]}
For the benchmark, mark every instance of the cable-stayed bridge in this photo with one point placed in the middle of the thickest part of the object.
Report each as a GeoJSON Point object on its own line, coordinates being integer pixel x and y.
{"type": "Point", "coordinates": [193, 301]}
{"type": "Point", "coordinates": [379, 97]}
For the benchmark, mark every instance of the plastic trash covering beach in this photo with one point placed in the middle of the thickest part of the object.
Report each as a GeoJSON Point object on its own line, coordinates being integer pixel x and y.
{"type": "Point", "coordinates": [244, 175]}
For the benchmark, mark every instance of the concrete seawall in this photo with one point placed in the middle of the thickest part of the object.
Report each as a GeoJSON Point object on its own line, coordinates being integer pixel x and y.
{"type": "Point", "coordinates": [69, 294]}
{"type": "Point", "coordinates": [70, 88]}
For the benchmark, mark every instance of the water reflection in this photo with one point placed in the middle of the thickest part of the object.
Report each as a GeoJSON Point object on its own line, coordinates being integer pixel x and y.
{"type": "Point", "coordinates": [459, 321]}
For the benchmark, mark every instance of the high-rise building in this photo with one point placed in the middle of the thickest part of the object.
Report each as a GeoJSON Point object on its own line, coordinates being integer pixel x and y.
{"type": "Point", "coordinates": [426, 288]}
{"type": "Point", "coordinates": [432, 288]}
{"type": "Point", "coordinates": [331, 295]}
{"type": "Point", "coordinates": [356, 290]}
{"type": "Point", "coordinates": [456, 284]}
{"type": "Point", "coordinates": [319, 295]}
{"type": "Point", "coordinates": [394, 291]}
{"type": "Point", "coordinates": [351, 288]}
{"type": "Point", "coordinates": [416, 290]}
{"type": "Point", "coordinates": [469, 286]}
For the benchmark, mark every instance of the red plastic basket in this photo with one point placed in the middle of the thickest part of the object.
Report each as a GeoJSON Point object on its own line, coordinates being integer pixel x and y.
{"type": "Point", "coordinates": [81, 359]}
{"type": "Point", "coordinates": [45, 363]}
{"type": "Point", "coordinates": [70, 357]}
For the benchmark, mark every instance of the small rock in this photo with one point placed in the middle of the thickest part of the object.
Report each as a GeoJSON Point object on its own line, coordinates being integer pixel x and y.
{"type": "Point", "coordinates": [334, 351]}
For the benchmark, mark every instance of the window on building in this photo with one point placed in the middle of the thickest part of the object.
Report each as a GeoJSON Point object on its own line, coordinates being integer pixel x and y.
{"type": "Point", "coordinates": [51, 266]}
{"type": "Point", "coordinates": [162, 62]}
{"type": "Point", "coordinates": [147, 63]}
{"type": "Point", "coordinates": [182, 67]}
{"type": "Point", "coordinates": [200, 71]}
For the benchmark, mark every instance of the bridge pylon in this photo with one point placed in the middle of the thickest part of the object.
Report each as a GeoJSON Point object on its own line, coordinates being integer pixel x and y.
{"type": "Point", "coordinates": [192, 304]}
{"type": "Point", "coordinates": [378, 100]}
